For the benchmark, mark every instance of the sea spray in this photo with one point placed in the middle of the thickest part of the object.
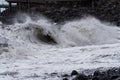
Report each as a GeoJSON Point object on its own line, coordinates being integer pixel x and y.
{"type": "Point", "coordinates": [88, 31]}
{"type": "Point", "coordinates": [22, 39]}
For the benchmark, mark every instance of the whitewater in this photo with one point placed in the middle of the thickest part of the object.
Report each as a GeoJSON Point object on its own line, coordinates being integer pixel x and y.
{"type": "Point", "coordinates": [81, 44]}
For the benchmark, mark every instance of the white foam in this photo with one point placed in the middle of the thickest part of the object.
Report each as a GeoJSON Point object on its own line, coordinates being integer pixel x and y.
{"type": "Point", "coordinates": [28, 56]}
{"type": "Point", "coordinates": [83, 32]}
{"type": "Point", "coordinates": [88, 31]}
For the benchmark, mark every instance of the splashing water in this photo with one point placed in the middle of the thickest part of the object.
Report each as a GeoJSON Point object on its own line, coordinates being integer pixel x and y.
{"type": "Point", "coordinates": [28, 52]}
{"type": "Point", "coordinates": [87, 31]}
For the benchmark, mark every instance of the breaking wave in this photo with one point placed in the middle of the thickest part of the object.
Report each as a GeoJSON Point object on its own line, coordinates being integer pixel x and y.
{"type": "Point", "coordinates": [35, 35]}
{"type": "Point", "coordinates": [88, 31]}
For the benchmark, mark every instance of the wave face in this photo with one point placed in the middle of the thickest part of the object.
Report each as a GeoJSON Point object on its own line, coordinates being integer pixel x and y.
{"type": "Point", "coordinates": [83, 32]}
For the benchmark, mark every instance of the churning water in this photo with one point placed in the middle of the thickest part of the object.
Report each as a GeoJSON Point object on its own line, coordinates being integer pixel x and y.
{"type": "Point", "coordinates": [42, 33]}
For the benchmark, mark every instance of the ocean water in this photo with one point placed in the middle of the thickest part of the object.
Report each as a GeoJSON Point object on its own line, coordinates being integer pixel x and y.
{"type": "Point", "coordinates": [40, 47]}
{"type": "Point", "coordinates": [31, 35]}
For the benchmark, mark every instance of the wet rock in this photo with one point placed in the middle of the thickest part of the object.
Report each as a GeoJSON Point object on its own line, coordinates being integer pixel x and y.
{"type": "Point", "coordinates": [95, 78]}
{"type": "Point", "coordinates": [81, 77]}
{"type": "Point", "coordinates": [90, 77]}
{"type": "Point", "coordinates": [97, 73]}
{"type": "Point", "coordinates": [114, 77]}
{"type": "Point", "coordinates": [104, 78]}
{"type": "Point", "coordinates": [74, 72]}
{"type": "Point", "coordinates": [110, 74]}
{"type": "Point", "coordinates": [65, 79]}
{"type": "Point", "coordinates": [65, 75]}
{"type": "Point", "coordinates": [100, 78]}
{"type": "Point", "coordinates": [118, 78]}
{"type": "Point", "coordinates": [113, 73]}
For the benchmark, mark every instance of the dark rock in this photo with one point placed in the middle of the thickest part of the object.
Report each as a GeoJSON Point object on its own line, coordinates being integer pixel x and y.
{"type": "Point", "coordinates": [104, 78]}
{"type": "Point", "coordinates": [97, 73]}
{"type": "Point", "coordinates": [113, 73]}
{"type": "Point", "coordinates": [65, 79]}
{"type": "Point", "coordinates": [115, 77]}
{"type": "Point", "coordinates": [81, 77]}
{"type": "Point", "coordinates": [74, 72]}
{"type": "Point", "coordinates": [90, 77]}
{"type": "Point", "coordinates": [95, 78]}
{"type": "Point", "coordinates": [110, 74]}
{"type": "Point", "coordinates": [65, 75]}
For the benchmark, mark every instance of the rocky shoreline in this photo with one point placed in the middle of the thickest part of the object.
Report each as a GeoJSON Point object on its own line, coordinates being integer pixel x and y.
{"type": "Point", "coordinates": [110, 74]}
